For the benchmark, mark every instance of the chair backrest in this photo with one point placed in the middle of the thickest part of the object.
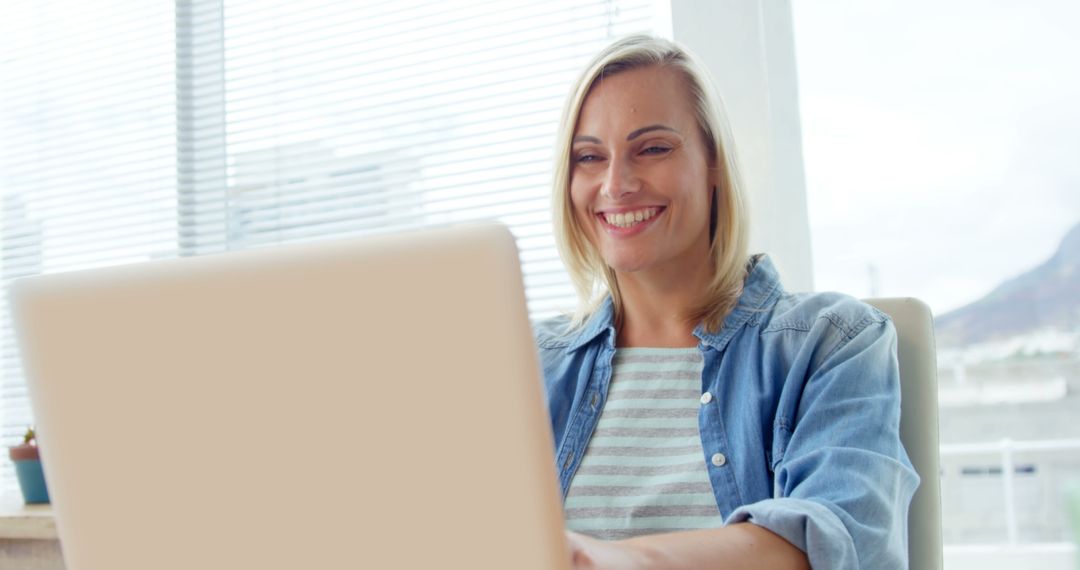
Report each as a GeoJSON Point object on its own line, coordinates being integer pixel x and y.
{"type": "Point", "coordinates": [919, 423]}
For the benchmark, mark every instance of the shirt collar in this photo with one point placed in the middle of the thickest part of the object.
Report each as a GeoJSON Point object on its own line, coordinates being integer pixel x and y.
{"type": "Point", "coordinates": [602, 320]}
{"type": "Point", "coordinates": [760, 290]}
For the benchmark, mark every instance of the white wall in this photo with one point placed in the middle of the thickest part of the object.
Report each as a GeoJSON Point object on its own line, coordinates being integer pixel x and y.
{"type": "Point", "coordinates": [749, 47]}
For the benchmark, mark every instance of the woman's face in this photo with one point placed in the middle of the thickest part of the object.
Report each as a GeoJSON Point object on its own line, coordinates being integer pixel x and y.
{"type": "Point", "coordinates": [640, 182]}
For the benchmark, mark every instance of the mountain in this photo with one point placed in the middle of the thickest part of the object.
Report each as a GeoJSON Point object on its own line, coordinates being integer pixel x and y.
{"type": "Point", "coordinates": [1047, 296]}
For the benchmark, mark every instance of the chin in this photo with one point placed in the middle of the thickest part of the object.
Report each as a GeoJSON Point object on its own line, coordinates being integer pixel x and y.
{"type": "Point", "coordinates": [626, 263]}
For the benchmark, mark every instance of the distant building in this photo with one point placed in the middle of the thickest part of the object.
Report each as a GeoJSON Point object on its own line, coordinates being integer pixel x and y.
{"type": "Point", "coordinates": [999, 393]}
{"type": "Point", "coordinates": [21, 245]}
{"type": "Point", "coordinates": [312, 192]}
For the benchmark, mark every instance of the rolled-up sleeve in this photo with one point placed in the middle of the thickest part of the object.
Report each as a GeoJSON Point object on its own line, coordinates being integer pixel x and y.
{"type": "Point", "coordinates": [843, 482]}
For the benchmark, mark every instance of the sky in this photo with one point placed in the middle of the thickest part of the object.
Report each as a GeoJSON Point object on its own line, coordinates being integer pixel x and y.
{"type": "Point", "coordinates": [940, 141]}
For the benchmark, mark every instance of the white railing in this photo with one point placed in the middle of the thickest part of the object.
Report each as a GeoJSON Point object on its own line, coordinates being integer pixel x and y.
{"type": "Point", "coordinates": [1006, 448]}
{"type": "Point", "coordinates": [1044, 556]}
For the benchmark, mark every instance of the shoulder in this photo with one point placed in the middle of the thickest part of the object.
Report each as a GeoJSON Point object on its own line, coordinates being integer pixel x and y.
{"type": "Point", "coordinates": [808, 311]}
{"type": "Point", "coordinates": [553, 333]}
{"type": "Point", "coordinates": [825, 324]}
{"type": "Point", "coordinates": [769, 308]}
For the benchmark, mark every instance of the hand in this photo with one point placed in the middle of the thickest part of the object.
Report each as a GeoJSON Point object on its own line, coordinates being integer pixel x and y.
{"type": "Point", "coordinates": [591, 554]}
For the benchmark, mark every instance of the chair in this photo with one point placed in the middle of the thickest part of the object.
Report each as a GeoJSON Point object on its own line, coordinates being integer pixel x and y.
{"type": "Point", "coordinates": [919, 424]}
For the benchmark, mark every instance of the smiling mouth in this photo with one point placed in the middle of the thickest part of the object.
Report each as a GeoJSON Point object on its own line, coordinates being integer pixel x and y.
{"type": "Point", "coordinates": [630, 219]}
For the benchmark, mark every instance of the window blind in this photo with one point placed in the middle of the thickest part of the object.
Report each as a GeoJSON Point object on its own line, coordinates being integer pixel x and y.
{"type": "Point", "coordinates": [131, 131]}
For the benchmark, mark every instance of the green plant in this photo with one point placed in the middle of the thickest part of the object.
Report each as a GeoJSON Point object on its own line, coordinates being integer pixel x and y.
{"type": "Point", "coordinates": [30, 438]}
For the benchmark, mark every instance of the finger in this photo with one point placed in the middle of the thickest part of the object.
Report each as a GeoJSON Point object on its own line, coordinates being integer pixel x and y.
{"type": "Point", "coordinates": [578, 548]}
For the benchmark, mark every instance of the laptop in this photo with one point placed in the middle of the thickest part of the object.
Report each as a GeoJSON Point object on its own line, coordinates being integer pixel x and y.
{"type": "Point", "coordinates": [367, 403]}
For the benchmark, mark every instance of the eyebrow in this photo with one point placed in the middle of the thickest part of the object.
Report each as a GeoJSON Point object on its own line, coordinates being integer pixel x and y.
{"type": "Point", "coordinates": [648, 129]}
{"type": "Point", "coordinates": [633, 135]}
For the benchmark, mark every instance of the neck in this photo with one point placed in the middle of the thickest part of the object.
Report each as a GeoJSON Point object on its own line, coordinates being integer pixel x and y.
{"type": "Point", "coordinates": [656, 303]}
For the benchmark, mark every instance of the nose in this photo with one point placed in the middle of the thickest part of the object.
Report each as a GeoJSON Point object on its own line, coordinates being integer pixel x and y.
{"type": "Point", "coordinates": [620, 180]}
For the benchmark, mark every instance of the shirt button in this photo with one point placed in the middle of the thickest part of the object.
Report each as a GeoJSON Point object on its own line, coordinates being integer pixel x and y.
{"type": "Point", "coordinates": [706, 398]}
{"type": "Point", "coordinates": [570, 460]}
{"type": "Point", "coordinates": [594, 400]}
{"type": "Point", "coordinates": [718, 459]}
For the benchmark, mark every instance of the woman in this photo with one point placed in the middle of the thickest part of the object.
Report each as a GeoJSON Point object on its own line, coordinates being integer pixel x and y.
{"type": "Point", "coordinates": [703, 417]}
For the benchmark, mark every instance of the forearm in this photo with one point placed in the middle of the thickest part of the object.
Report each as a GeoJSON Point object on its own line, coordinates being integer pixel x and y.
{"type": "Point", "coordinates": [742, 545]}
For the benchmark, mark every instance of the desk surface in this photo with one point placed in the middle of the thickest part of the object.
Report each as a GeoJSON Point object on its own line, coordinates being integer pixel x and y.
{"type": "Point", "coordinates": [19, 521]}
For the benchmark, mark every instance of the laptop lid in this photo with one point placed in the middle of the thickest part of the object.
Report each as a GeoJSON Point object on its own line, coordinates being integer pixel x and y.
{"type": "Point", "coordinates": [368, 403]}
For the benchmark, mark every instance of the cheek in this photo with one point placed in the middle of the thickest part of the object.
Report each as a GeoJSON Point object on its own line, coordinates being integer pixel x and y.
{"type": "Point", "coordinates": [698, 194]}
{"type": "Point", "coordinates": [576, 191]}
{"type": "Point", "coordinates": [695, 178]}
{"type": "Point", "coordinates": [580, 197]}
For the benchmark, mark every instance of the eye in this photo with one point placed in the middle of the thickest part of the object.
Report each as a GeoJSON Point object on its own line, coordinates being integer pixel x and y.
{"type": "Point", "coordinates": [655, 149]}
{"type": "Point", "coordinates": [587, 157]}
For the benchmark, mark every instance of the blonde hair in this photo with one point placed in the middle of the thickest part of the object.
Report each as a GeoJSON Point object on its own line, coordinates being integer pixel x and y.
{"type": "Point", "coordinates": [591, 276]}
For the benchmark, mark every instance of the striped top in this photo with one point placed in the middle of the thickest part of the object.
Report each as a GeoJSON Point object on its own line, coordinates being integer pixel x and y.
{"type": "Point", "coordinates": [644, 470]}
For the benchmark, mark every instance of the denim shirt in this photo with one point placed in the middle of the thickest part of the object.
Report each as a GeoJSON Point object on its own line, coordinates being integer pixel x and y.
{"type": "Point", "coordinates": [801, 435]}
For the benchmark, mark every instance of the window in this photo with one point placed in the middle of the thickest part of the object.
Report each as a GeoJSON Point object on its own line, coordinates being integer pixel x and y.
{"type": "Point", "coordinates": [939, 141]}
{"type": "Point", "coordinates": [135, 131]}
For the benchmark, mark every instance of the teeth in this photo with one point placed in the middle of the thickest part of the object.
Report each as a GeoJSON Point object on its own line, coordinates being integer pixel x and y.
{"type": "Point", "coordinates": [628, 219]}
